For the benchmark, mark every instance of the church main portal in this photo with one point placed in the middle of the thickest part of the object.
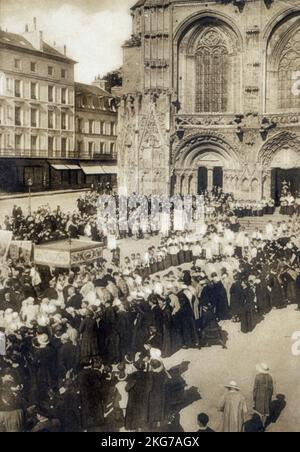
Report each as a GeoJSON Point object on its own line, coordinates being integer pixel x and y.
{"type": "Point", "coordinates": [209, 177]}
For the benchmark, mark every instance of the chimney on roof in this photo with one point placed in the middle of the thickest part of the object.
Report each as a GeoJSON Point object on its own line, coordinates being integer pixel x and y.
{"type": "Point", "coordinates": [35, 37]}
{"type": "Point", "coordinates": [59, 48]}
{"type": "Point", "coordinates": [41, 40]}
{"type": "Point", "coordinates": [101, 83]}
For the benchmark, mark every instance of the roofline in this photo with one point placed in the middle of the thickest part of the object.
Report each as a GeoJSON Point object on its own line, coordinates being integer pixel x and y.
{"type": "Point", "coordinates": [93, 86]}
{"type": "Point", "coordinates": [136, 5]}
{"type": "Point", "coordinates": [38, 52]}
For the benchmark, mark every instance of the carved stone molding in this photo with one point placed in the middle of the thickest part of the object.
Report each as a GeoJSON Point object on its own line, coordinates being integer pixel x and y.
{"type": "Point", "coordinates": [193, 141]}
{"type": "Point", "coordinates": [254, 31]}
{"type": "Point", "coordinates": [285, 119]}
{"type": "Point", "coordinates": [276, 143]}
{"type": "Point", "coordinates": [252, 89]}
{"type": "Point", "coordinates": [187, 121]}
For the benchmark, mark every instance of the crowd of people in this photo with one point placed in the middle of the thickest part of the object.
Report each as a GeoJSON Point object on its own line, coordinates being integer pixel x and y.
{"type": "Point", "coordinates": [218, 202]}
{"type": "Point", "coordinates": [81, 347]}
{"type": "Point", "coordinates": [289, 204]}
{"type": "Point", "coordinates": [46, 224]}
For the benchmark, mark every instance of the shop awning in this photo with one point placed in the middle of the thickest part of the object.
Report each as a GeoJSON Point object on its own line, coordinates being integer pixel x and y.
{"type": "Point", "coordinates": [95, 168]}
{"type": "Point", "coordinates": [59, 167]}
{"type": "Point", "coordinates": [73, 167]}
{"type": "Point", "coordinates": [66, 167]}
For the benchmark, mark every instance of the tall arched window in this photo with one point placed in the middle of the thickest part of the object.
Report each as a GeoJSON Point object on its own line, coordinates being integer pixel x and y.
{"type": "Point", "coordinates": [212, 62]}
{"type": "Point", "coordinates": [289, 66]}
{"type": "Point", "coordinates": [208, 65]}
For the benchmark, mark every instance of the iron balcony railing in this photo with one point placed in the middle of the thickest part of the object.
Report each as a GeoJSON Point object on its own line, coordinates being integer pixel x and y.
{"type": "Point", "coordinates": [30, 153]}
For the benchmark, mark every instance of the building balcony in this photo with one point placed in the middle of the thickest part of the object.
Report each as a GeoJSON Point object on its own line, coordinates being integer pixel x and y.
{"type": "Point", "coordinates": [98, 156]}
{"type": "Point", "coordinates": [35, 154]}
{"type": "Point", "coordinates": [102, 136]}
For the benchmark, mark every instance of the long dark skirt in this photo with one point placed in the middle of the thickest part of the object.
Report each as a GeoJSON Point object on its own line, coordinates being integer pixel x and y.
{"type": "Point", "coordinates": [168, 262]}
{"type": "Point", "coordinates": [188, 256]}
{"type": "Point", "coordinates": [247, 322]}
{"type": "Point", "coordinates": [181, 257]}
{"type": "Point", "coordinates": [160, 266]}
{"type": "Point", "coordinates": [174, 260]}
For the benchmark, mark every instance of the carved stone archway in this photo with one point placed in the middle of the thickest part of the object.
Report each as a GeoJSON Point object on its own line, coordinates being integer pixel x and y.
{"type": "Point", "coordinates": [283, 140]}
{"type": "Point", "coordinates": [280, 152]}
{"type": "Point", "coordinates": [209, 150]}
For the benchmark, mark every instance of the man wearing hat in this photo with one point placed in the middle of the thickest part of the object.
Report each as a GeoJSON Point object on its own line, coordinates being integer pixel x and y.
{"type": "Point", "coordinates": [43, 366]}
{"type": "Point", "coordinates": [263, 391]}
{"type": "Point", "coordinates": [234, 409]}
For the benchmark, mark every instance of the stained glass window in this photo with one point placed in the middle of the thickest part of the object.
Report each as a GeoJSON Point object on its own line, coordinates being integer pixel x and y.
{"type": "Point", "coordinates": [212, 64]}
{"type": "Point", "coordinates": [288, 79]}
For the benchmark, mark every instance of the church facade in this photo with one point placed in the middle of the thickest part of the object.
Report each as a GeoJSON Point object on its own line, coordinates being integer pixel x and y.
{"type": "Point", "coordinates": [211, 97]}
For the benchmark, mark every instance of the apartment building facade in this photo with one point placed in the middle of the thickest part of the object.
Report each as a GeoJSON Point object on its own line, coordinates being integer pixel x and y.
{"type": "Point", "coordinates": [38, 144]}
{"type": "Point", "coordinates": [37, 110]}
{"type": "Point", "coordinates": [96, 131]}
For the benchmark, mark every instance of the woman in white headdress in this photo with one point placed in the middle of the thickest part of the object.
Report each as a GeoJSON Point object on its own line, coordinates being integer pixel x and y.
{"type": "Point", "coordinates": [14, 325]}
{"type": "Point", "coordinates": [29, 311]}
{"type": "Point", "coordinates": [8, 316]}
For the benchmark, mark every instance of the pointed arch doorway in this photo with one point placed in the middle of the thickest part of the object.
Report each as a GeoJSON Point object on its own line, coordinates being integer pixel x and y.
{"type": "Point", "coordinates": [208, 160]}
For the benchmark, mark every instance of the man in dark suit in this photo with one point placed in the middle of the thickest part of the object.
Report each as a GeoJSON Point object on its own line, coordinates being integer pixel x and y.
{"type": "Point", "coordinates": [203, 421]}
{"type": "Point", "coordinates": [74, 299]}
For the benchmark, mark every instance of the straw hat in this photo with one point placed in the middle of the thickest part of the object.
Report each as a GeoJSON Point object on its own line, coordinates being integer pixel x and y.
{"type": "Point", "coordinates": [43, 340]}
{"type": "Point", "coordinates": [263, 368]}
{"type": "Point", "coordinates": [233, 385]}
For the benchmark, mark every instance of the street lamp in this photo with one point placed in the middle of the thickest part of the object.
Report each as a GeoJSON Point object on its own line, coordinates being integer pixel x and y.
{"type": "Point", "coordinates": [29, 185]}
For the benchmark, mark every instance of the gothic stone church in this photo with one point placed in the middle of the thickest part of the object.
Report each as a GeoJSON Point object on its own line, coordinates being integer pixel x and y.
{"type": "Point", "coordinates": [211, 96]}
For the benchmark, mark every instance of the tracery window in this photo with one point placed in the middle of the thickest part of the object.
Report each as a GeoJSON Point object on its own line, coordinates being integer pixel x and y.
{"type": "Point", "coordinates": [289, 65]}
{"type": "Point", "coordinates": [212, 71]}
